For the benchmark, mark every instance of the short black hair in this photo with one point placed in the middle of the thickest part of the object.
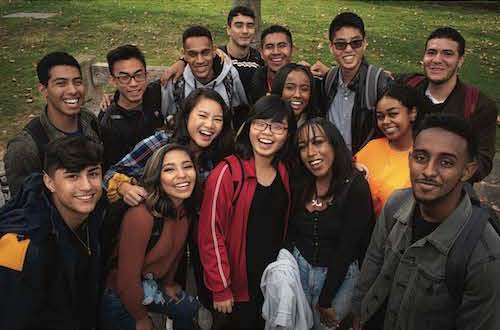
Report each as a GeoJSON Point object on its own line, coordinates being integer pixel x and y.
{"type": "Point", "coordinates": [448, 33]}
{"type": "Point", "coordinates": [453, 124]}
{"type": "Point", "coordinates": [276, 109]}
{"type": "Point", "coordinates": [72, 153]}
{"type": "Point", "coordinates": [275, 29]}
{"type": "Point", "coordinates": [196, 31]}
{"type": "Point", "coordinates": [346, 19]}
{"type": "Point", "coordinates": [124, 52]}
{"type": "Point", "coordinates": [239, 10]}
{"type": "Point", "coordinates": [403, 93]}
{"type": "Point", "coordinates": [51, 60]}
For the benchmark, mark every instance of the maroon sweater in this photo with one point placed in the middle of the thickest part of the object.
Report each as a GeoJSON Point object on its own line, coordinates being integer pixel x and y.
{"type": "Point", "coordinates": [134, 262]}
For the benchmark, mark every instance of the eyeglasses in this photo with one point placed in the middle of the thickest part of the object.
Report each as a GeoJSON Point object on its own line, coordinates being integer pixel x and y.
{"type": "Point", "coordinates": [125, 78]}
{"type": "Point", "coordinates": [276, 128]}
{"type": "Point", "coordinates": [355, 44]}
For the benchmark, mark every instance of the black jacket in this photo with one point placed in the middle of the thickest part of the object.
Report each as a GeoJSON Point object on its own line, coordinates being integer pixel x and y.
{"type": "Point", "coordinates": [122, 129]}
{"type": "Point", "coordinates": [363, 123]}
{"type": "Point", "coordinates": [482, 121]}
{"type": "Point", "coordinates": [57, 285]}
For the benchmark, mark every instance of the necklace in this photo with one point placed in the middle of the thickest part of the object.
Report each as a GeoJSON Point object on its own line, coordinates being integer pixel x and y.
{"type": "Point", "coordinates": [85, 246]}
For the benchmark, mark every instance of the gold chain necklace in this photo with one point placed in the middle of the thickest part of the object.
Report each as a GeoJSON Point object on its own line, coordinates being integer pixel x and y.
{"type": "Point", "coordinates": [85, 246]}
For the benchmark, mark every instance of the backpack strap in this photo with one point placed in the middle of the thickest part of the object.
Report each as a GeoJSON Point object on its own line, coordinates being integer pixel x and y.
{"type": "Point", "coordinates": [328, 83]}
{"type": "Point", "coordinates": [371, 84]}
{"type": "Point", "coordinates": [461, 251]}
{"type": "Point", "coordinates": [155, 233]}
{"type": "Point", "coordinates": [470, 101]}
{"type": "Point", "coordinates": [415, 80]}
{"type": "Point", "coordinates": [235, 167]}
{"type": "Point", "coordinates": [178, 92]}
{"type": "Point", "coordinates": [152, 99]}
{"type": "Point", "coordinates": [37, 132]}
{"type": "Point", "coordinates": [228, 85]}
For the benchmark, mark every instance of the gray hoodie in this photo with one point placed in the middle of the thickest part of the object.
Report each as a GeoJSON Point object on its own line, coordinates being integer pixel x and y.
{"type": "Point", "coordinates": [238, 97]}
{"type": "Point", "coordinates": [285, 305]}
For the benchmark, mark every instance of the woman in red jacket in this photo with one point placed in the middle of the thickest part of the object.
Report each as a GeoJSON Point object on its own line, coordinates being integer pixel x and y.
{"type": "Point", "coordinates": [239, 233]}
{"type": "Point", "coordinates": [152, 240]}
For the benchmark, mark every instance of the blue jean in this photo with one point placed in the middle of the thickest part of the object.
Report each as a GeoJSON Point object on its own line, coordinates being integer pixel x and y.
{"type": "Point", "coordinates": [312, 280]}
{"type": "Point", "coordinates": [114, 315]}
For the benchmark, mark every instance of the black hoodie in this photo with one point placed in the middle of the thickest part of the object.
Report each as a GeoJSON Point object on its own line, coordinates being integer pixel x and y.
{"type": "Point", "coordinates": [57, 286]}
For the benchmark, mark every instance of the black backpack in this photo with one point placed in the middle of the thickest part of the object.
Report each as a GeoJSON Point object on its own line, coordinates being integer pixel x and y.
{"type": "Point", "coordinates": [461, 251]}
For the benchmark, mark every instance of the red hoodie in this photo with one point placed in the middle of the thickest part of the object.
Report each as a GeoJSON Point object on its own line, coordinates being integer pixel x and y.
{"type": "Point", "coordinates": [222, 231]}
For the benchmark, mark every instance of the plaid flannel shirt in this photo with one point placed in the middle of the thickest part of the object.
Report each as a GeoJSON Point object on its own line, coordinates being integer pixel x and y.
{"type": "Point", "coordinates": [132, 165]}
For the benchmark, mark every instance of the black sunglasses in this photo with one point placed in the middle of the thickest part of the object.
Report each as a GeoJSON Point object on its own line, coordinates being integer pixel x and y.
{"type": "Point", "coordinates": [355, 44]}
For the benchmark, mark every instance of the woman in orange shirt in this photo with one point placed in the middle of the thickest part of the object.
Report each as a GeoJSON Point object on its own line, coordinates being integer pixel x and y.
{"type": "Point", "coordinates": [387, 158]}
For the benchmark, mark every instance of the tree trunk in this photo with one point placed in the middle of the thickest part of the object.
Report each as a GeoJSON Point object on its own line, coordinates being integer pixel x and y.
{"type": "Point", "coordinates": [255, 6]}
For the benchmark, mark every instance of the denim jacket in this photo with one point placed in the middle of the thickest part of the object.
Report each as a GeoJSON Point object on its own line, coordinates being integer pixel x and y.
{"type": "Point", "coordinates": [411, 277]}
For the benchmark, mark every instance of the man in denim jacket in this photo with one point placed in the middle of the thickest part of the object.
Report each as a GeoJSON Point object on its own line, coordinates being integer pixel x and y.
{"type": "Point", "coordinates": [403, 278]}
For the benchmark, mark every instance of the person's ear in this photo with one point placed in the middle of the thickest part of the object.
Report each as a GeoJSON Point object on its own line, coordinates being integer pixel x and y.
{"type": "Point", "coordinates": [469, 170]}
{"type": "Point", "coordinates": [42, 89]}
{"type": "Point", "coordinates": [48, 182]}
{"type": "Point", "coordinates": [413, 114]}
{"type": "Point", "coordinates": [460, 61]}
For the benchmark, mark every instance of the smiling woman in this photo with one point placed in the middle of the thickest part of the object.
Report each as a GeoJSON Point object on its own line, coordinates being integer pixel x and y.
{"type": "Point", "coordinates": [152, 239]}
{"type": "Point", "coordinates": [238, 234]}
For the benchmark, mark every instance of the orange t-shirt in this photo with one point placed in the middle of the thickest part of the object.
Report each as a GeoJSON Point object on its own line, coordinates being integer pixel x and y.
{"type": "Point", "coordinates": [388, 170]}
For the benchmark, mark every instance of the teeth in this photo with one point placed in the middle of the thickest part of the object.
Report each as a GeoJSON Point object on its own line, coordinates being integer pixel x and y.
{"type": "Point", "coordinates": [276, 60]}
{"type": "Point", "coordinates": [265, 141]}
{"type": "Point", "coordinates": [207, 133]}
{"type": "Point", "coordinates": [182, 185]}
{"type": "Point", "coordinates": [296, 103]}
{"type": "Point", "coordinates": [315, 162]}
{"type": "Point", "coordinates": [349, 57]}
{"type": "Point", "coordinates": [85, 197]}
{"type": "Point", "coordinates": [390, 129]}
{"type": "Point", "coordinates": [71, 101]}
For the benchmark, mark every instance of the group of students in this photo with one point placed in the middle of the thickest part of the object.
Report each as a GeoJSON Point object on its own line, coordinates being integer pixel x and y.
{"type": "Point", "coordinates": [243, 168]}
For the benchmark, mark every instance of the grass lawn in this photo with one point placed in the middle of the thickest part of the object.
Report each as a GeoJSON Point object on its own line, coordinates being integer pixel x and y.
{"type": "Point", "coordinates": [396, 34]}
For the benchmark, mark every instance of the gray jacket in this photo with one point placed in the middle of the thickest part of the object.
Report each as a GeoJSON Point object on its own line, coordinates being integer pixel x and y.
{"type": "Point", "coordinates": [412, 276]}
{"type": "Point", "coordinates": [22, 155]}
{"type": "Point", "coordinates": [285, 305]}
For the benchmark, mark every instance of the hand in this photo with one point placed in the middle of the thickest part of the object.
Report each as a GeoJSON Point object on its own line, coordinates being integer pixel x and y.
{"type": "Point", "coordinates": [144, 324]}
{"type": "Point", "coordinates": [389, 74]}
{"type": "Point", "coordinates": [362, 168]}
{"type": "Point", "coordinates": [225, 306]}
{"type": "Point", "coordinates": [106, 100]}
{"type": "Point", "coordinates": [328, 317]}
{"type": "Point", "coordinates": [132, 194]}
{"type": "Point", "coordinates": [318, 69]}
{"type": "Point", "coordinates": [304, 63]}
{"type": "Point", "coordinates": [173, 290]}
{"type": "Point", "coordinates": [356, 323]}
{"type": "Point", "coordinates": [223, 56]}
{"type": "Point", "coordinates": [173, 72]}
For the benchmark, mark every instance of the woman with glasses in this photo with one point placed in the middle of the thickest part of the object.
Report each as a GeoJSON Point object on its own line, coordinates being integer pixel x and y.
{"type": "Point", "coordinates": [331, 221]}
{"type": "Point", "coordinates": [244, 213]}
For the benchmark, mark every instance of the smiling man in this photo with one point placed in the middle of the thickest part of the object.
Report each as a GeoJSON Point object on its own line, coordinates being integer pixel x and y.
{"type": "Point", "coordinates": [276, 50]}
{"type": "Point", "coordinates": [203, 69]}
{"type": "Point", "coordinates": [135, 112]}
{"type": "Point", "coordinates": [49, 249]}
{"type": "Point", "coordinates": [60, 82]}
{"type": "Point", "coordinates": [443, 92]}
{"type": "Point", "coordinates": [350, 89]}
{"type": "Point", "coordinates": [434, 256]}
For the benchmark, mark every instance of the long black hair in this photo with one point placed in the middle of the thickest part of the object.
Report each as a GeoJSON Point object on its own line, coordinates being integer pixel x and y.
{"type": "Point", "coordinates": [267, 107]}
{"type": "Point", "coordinates": [279, 84]}
{"type": "Point", "coordinates": [222, 145]}
{"type": "Point", "coordinates": [304, 185]}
